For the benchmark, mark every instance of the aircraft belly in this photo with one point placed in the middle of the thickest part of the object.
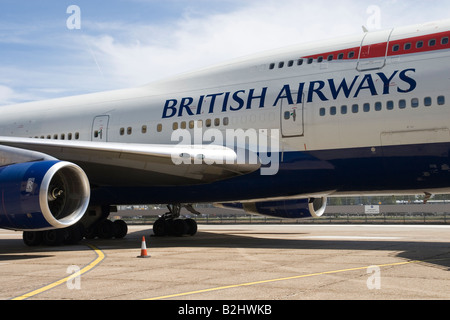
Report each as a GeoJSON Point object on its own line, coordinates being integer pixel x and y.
{"type": "Point", "coordinates": [412, 168]}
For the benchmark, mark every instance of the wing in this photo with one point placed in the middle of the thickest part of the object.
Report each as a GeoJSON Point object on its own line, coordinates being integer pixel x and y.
{"type": "Point", "coordinates": [123, 164]}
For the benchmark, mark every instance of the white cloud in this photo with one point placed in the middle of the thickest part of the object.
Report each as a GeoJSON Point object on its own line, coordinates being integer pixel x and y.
{"type": "Point", "coordinates": [114, 54]}
{"type": "Point", "coordinates": [142, 53]}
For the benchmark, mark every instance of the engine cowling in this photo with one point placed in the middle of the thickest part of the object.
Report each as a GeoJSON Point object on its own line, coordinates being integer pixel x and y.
{"type": "Point", "coordinates": [42, 195]}
{"type": "Point", "coordinates": [287, 209]}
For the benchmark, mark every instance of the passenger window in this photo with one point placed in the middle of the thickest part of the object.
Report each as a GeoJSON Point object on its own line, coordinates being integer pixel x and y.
{"type": "Point", "coordinates": [441, 100]}
{"type": "Point", "coordinates": [355, 108]}
{"type": "Point", "coordinates": [390, 105]}
{"type": "Point", "coordinates": [415, 103]}
{"type": "Point", "coordinates": [272, 66]}
{"type": "Point", "coordinates": [340, 56]}
{"type": "Point", "coordinates": [290, 63]}
{"type": "Point", "coordinates": [208, 123]}
{"type": "Point", "coordinates": [159, 127]}
{"type": "Point", "coordinates": [226, 121]}
{"type": "Point", "coordinates": [432, 43]}
{"type": "Point", "coordinates": [351, 54]}
{"type": "Point", "coordinates": [396, 48]}
{"type": "Point", "coordinates": [419, 44]}
{"type": "Point", "coordinates": [366, 107]}
{"type": "Point", "coordinates": [217, 122]}
{"type": "Point", "coordinates": [319, 59]}
{"type": "Point", "coordinates": [310, 60]}
{"type": "Point", "coordinates": [122, 131]}
{"type": "Point", "coordinates": [333, 111]}
{"type": "Point", "coordinates": [281, 65]}
{"type": "Point", "coordinates": [322, 112]}
{"type": "Point", "coordinates": [191, 124]}
{"type": "Point", "coordinates": [378, 106]}
{"type": "Point", "coordinates": [129, 131]}
{"type": "Point", "coordinates": [287, 115]}
{"type": "Point", "coordinates": [330, 57]}
{"type": "Point", "coordinates": [183, 125]}
{"type": "Point", "coordinates": [408, 46]}
{"type": "Point", "coordinates": [444, 41]}
{"type": "Point", "coordinates": [343, 109]}
{"type": "Point", "coordinates": [175, 126]}
{"type": "Point", "coordinates": [77, 135]}
{"type": "Point", "coordinates": [69, 136]}
{"type": "Point", "coordinates": [300, 62]}
{"type": "Point", "coordinates": [427, 102]}
{"type": "Point", "coordinates": [144, 129]}
{"type": "Point", "coordinates": [402, 104]}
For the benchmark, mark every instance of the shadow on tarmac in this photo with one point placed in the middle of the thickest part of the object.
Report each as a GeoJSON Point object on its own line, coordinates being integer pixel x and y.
{"type": "Point", "coordinates": [435, 254]}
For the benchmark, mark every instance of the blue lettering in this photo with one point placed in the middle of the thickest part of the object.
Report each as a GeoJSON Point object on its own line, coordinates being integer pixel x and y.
{"type": "Point", "coordinates": [185, 103]}
{"type": "Point", "coordinates": [412, 83]}
{"type": "Point", "coordinates": [317, 91]}
{"type": "Point", "coordinates": [370, 86]}
{"type": "Point", "coordinates": [285, 93]}
{"type": "Point", "coordinates": [170, 105]}
{"type": "Point", "coordinates": [343, 86]}
{"type": "Point", "coordinates": [213, 101]}
{"type": "Point", "coordinates": [238, 100]}
{"type": "Point", "coordinates": [225, 101]}
{"type": "Point", "coordinates": [262, 98]}
{"type": "Point", "coordinates": [386, 81]}
{"type": "Point", "coordinates": [200, 104]}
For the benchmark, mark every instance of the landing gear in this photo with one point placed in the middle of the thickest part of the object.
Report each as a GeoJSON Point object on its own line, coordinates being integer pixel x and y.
{"type": "Point", "coordinates": [170, 224]}
{"type": "Point", "coordinates": [93, 225]}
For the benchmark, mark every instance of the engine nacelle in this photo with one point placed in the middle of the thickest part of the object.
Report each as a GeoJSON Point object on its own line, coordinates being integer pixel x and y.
{"type": "Point", "coordinates": [288, 209]}
{"type": "Point", "coordinates": [42, 195]}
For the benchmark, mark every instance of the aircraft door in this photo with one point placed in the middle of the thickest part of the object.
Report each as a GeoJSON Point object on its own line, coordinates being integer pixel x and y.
{"type": "Point", "coordinates": [292, 118]}
{"type": "Point", "coordinates": [100, 129]}
{"type": "Point", "coordinates": [374, 49]}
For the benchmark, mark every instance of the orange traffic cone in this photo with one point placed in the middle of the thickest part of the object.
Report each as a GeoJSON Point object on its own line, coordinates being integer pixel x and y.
{"type": "Point", "coordinates": [143, 249]}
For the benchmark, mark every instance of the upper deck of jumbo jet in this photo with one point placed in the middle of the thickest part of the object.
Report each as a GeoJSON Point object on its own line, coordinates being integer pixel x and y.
{"type": "Point", "coordinates": [335, 54]}
{"type": "Point", "coordinates": [332, 55]}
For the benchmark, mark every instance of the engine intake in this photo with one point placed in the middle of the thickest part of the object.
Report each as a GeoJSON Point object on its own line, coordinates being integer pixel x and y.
{"type": "Point", "coordinates": [42, 195]}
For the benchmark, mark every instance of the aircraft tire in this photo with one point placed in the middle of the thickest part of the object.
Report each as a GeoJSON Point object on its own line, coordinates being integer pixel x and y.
{"type": "Point", "coordinates": [179, 227]}
{"type": "Point", "coordinates": [120, 229]}
{"type": "Point", "coordinates": [54, 237]}
{"type": "Point", "coordinates": [159, 227]}
{"type": "Point", "coordinates": [192, 227]}
{"type": "Point", "coordinates": [32, 238]}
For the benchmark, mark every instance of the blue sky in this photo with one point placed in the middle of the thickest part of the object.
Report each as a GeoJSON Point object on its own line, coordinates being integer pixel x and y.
{"type": "Point", "coordinates": [125, 43]}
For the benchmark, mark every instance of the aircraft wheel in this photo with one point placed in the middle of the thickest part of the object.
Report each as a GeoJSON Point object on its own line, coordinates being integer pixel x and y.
{"type": "Point", "coordinates": [120, 229]}
{"type": "Point", "coordinates": [54, 237]}
{"type": "Point", "coordinates": [106, 229]}
{"type": "Point", "coordinates": [179, 227]}
{"type": "Point", "coordinates": [159, 227]}
{"type": "Point", "coordinates": [32, 238]}
{"type": "Point", "coordinates": [75, 235]}
{"type": "Point", "coordinates": [192, 227]}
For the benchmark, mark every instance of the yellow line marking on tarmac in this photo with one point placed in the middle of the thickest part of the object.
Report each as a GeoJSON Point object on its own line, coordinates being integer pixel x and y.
{"type": "Point", "coordinates": [282, 279]}
{"type": "Point", "coordinates": [100, 257]}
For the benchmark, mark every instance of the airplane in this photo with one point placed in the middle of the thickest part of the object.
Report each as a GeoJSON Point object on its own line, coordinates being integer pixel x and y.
{"type": "Point", "coordinates": [275, 133]}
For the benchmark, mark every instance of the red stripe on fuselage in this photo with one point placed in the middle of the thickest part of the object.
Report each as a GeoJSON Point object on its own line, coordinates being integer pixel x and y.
{"type": "Point", "coordinates": [378, 50]}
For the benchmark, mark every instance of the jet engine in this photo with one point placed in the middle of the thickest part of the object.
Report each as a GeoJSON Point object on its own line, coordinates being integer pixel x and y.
{"type": "Point", "coordinates": [42, 195]}
{"type": "Point", "coordinates": [286, 209]}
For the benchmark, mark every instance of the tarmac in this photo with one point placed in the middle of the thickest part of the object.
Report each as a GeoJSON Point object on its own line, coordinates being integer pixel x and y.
{"type": "Point", "coordinates": [236, 263]}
